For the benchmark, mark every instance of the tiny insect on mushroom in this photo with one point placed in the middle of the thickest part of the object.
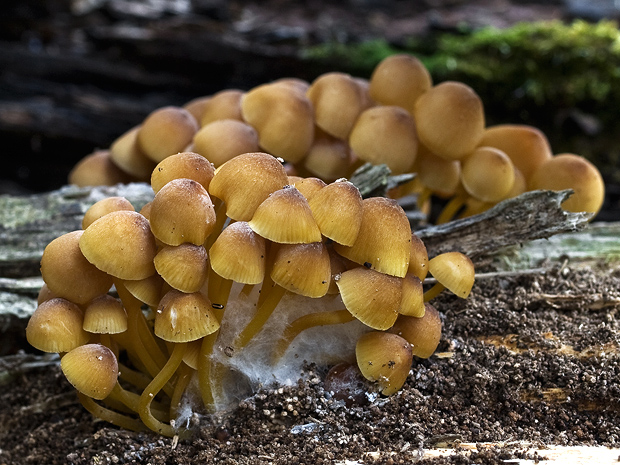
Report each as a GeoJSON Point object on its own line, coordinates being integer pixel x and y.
{"type": "Point", "coordinates": [385, 358]}
{"type": "Point", "coordinates": [453, 271]}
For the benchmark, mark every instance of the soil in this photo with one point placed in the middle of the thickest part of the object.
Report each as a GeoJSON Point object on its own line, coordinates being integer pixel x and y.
{"type": "Point", "coordinates": [527, 359]}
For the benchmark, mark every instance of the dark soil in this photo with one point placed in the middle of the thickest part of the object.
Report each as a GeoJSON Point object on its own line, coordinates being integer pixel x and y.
{"type": "Point", "coordinates": [530, 359]}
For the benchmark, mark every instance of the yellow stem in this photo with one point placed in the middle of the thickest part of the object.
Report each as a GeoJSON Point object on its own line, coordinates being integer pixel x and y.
{"type": "Point", "coordinates": [271, 300]}
{"type": "Point", "coordinates": [133, 377]}
{"type": "Point", "coordinates": [220, 221]}
{"type": "Point", "coordinates": [131, 400]}
{"type": "Point", "coordinates": [433, 292]}
{"type": "Point", "coordinates": [184, 376]}
{"type": "Point", "coordinates": [204, 370]}
{"type": "Point", "coordinates": [155, 386]}
{"type": "Point", "coordinates": [450, 210]}
{"type": "Point", "coordinates": [118, 419]}
{"type": "Point", "coordinates": [304, 322]}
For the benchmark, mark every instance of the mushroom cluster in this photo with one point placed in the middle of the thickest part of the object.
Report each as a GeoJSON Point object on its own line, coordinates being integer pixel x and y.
{"type": "Point", "coordinates": [228, 271]}
{"type": "Point", "coordinates": [329, 127]}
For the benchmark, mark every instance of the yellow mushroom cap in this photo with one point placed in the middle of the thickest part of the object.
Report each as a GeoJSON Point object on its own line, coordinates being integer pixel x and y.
{"type": "Point", "coordinates": [92, 369]}
{"type": "Point", "coordinates": [166, 131]}
{"type": "Point", "coordinates": [283, 118]}
{"type": "Point", "coordinates": [307, 186]}
{"type": "Point", "coordinates": [412, 302]}
{"type": "Point", "coordinates": [182, 211]}
{"type": "Point", "coordinates": [147, 290]}
{"type": "Point", "coordinates": [455, 271]}
{"type": "Point", "coordinates": [197, 106]}
{"type": "Point", "coordinates": [69, 274]}
{"type": "Point", "coordinates": [184, 266]}
{"type": "Point", "coordinates": [285, 217]}
{"type": "Point", "coordinates": [418, 259]}
{"type": "Point", "coordinates": [103, 207]}
{"type": "Point", "coordinates": [570, 171]}
{"type": "Point", "coordinates": [338, 99]}
{"type": "Point", "coordinates": [423, 333]}
{"type": "Point", "coordinates": [385, 134]}
{"type": "Point", "coordinates": [373, 298]}
{"type": "Point", "coordinates": [487, 174]}
{"type": "Point", "coordinates": [105, 315]}
{"type": "Point", "coordinates": [97, 169]}
{"type": "Point", "coordinates": [222, 140]}
{"type": "Point", "coordinates": [385, 358]}
{"type": "Point", "coordinates": [128, 156]}
{"type": "Point", "coordinates": [384, 239]}
{"type": "Point", "coordinates": [450, 119]}
{"type": "Point", "coordinates": [329, 158]}
{"type": "Point", "coordinates": [238, 254]}
{"type": "Point", "coordinates": [439, 175]}
{"type": "Point", "coordinates": [526, 146]}
{"type": "Point", "coordinates": [184, 317]}
{"type": "Point", "coordinates": [186, 165]}
{"type": "Point", "coordinates": [399, 79]}
{"type": "Point", "coordinates": [225, 104]}
{"type": "Point", "coordinates": [337, 209]}
{"type": "Point", "coordinates": [56, 326]}
{"type": "Point", "coordinates": [245, 181]}
{"type": "Point", "coordinates": [120, 244]}
{"type": "Point", "coordinates": [302, 268]}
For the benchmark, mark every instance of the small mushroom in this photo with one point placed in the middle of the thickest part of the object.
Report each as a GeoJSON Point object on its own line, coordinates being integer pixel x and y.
{"type": "Point", "coordinates": [103, 207]}
{"type": "Point", "coordinates": [166, 131]}
{"type": "Point", "coordinates": [184, 267]}
{"type": "Point", "coordinates": [92, 369]}
{"type": "Point", "coordinates": [56, 326]}
{"type": "Point", "coordinates": [423, 333]}
{"type": "Point", "coordinates": [188, 165]}
{"type": "Point", "coordinates": [224, 139]}
{"type": "Point", "coordinates": [453, 271]}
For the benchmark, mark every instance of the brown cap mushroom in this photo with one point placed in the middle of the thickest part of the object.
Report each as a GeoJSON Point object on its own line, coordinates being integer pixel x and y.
{"type": "Point", "coordinates": [56, 326]}
{"type": "Point", "coordinates": [452, 270]}
{"type": "Point", "coordinates": [166, 131]}
{"type": "Point", "coordinates": [221, 140]}
{"type": "Point", "coordinates": [184, 317]}
{"type": "Point", "coordinates": [92, 369]}
{"type": "Point", "coordinates": [487, 174]}
{"type": "Point", "coordinates": [105, 315]}
{"type": "Point", "coordinates": [128, 156]}
{"type": "Point", "coordinates": [302, 268]}
{"type": "Point", "coordinates": [97, 169]}
{"type": "Point", "coordinates": [184, 266]}
{"type": "Point", "coordinates": [103, 207]}
{"type": "Point", "coordinates": [225, 104]}
{"type": "Point", "coordinates": [423, 333]}
{"type": "Point", "coordinates": [187, 165]}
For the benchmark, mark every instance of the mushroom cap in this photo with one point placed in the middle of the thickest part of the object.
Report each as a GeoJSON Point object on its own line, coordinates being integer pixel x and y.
{"type": "Point", "coordinates": [418, 259]}
{"type": "Point", "coordinates": [69, 274]}
{"type": "Point", "coordinates": [526, 146]}
{"type": "Point", "coordinates": [238, 254]}
{"type": "Point", "coordinates": [148, 290]}
{"type": "Point", "coordinates": [92, 369]}
{"type": "Point", "coordinates": [385, 358]}
{"type": "Point", "coordinates": [128, 156]}
{"type": "Point", "coordinates": [166, 131]}
{"type": "Point", "coordinates": [423, 333]}
{"type": "Point", "coordinates": [184, 266]}
{"type": "Point", "coordinates": [197, 106]}
{"type": "Point", "coordinates": [188, 165]}
{"type": "Point", "coordinates": [225, 104]}
{"type": "Point", "coordinates": [307, 186]}
{"type": "Point", "coordinates": [412, 302]}
{"type": "Point", "coordinates": [455, 271]}
{"type": "Point", "coordinates": [56, 326]}
{"type": "Point", "coordinates": [283, 117]}
{"type": "Point", "coordinates": [384, 239]}
{"type": "Point", "coordinates": [121, 244]}
{"type": "Point", "coordinates": [329, 158]}
{"type": "Point", "coordinates": [570, 171]}
{"type": "Point", "coordinates": [182, 317]}
{"type": "Point", "coordinates": [222, 140]}
{"type": "Point", "coordinates": [338, 99]}
{"type": "Point", "coordinates": [285, 217]}
{"type": "Point", "coordinates": [399, 79]}
{"type": "Point", "coordinates": [337, 209]}
{"type": "Point", "coordinates": [370, 296]}
{"type": "Point", "coordinates": [450, 119]}
{"type": "Point", "coordinates": [105, 315]}
{"type": "Point", "coordinates": [182, 211]}
{"type": "Point", "coordinates": [103, 207]}
{"type": "Point", "coordinates": [245, 181]}
{"type": "Point", "coordinates": [487, 174]}
{"type": "Point", "coordinates": [439, 175]}
{"type": "Point", "coordinates": [97, 169]}
{"type": "Point", "coordinates": [302, 268]}
{"type": "Point", "coordinates": [385, 134]}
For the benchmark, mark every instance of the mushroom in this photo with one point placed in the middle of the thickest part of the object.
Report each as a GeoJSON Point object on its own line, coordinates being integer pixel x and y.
{"type": "Point", "coordinates": [224, 139]}
{"type": "Point", "coordinates": [385, 358]}
{"type": "Point", "coordinates": [453, 271]}
{"type": "Point", "coordinates": [572, 171]}
{"type": "Point", "coordinates": [423, 333]}
{"type": "Point", "coordinates": [166, 131]}
{"type": "Point", "coordinates": [450, 120]}
{"type": "Point", "coordinates": [103, 207]}
{"type": "Point", "coordinates": [184, 267]}
{"type": "Point", "coordinates": [98, 169]}
{"type": "Point", "coordinates": [329, 158]}
{"type": "Point", "coordinates": [188, 165]}
{"type": "Point", "coordinates": [92, 369]}
{"type": "Point", "coordinates": [225, 104]}
{"type": "Point", "coordinates": [126, 153]}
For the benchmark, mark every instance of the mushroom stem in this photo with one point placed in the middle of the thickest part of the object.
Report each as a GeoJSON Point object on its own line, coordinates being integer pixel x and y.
{"type": "Point", "coordinates": [118, 419]}
{"type": "Point", "coordinates": [272, 297]}
{"type": "Point", "coordinates": [155, 386]}
{"type": "Point", "coordinates": [184, 376]}
{"type": "Point", "coordinates": [218, 289]}
{"type": "Point", "coordinates": [220, 221]}
{"type": "Point", "coordinates": [205, 365]}
{"type": "Point", "coordinates": [131, 400]}
{"type": "Point", "coordinates": [433, 292]}
{"type": "Point", "coordinates": [304, 322]}
{"type": "Point", "coordinates": [450, 210]}
{"type": "Point", "coordinates": [133, 377]}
